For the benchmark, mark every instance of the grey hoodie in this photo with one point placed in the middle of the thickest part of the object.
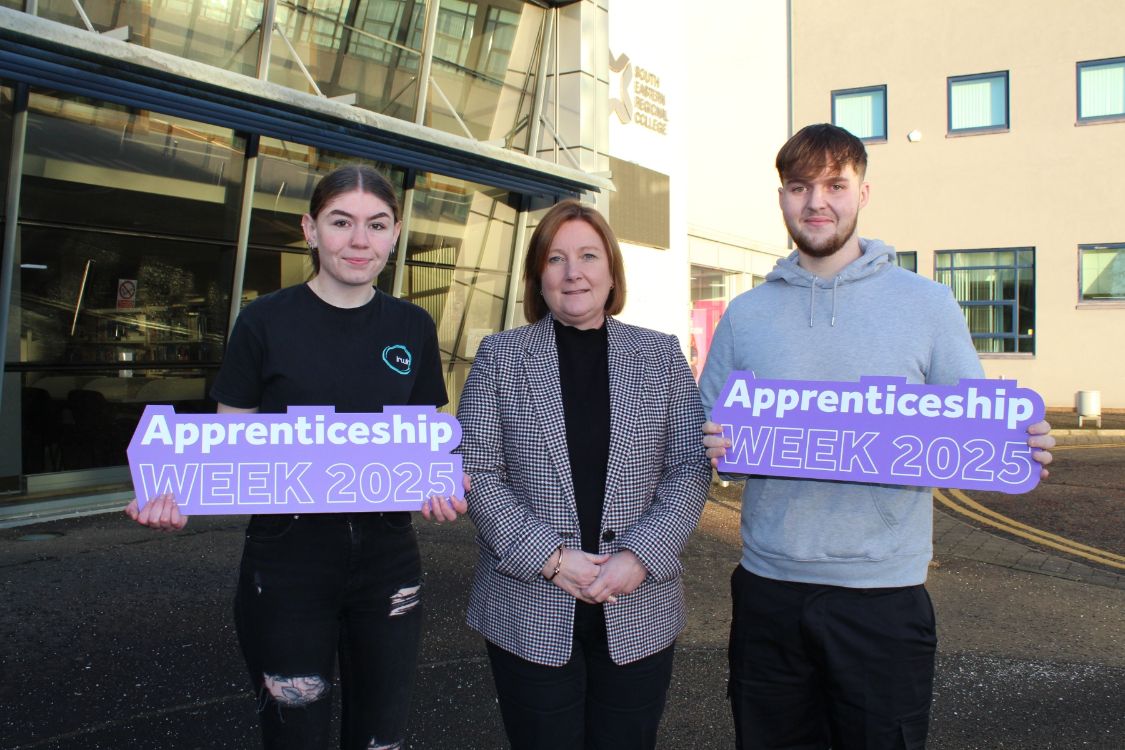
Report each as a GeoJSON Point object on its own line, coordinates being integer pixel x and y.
{"type": "Point", "coordinates": [874, 318]}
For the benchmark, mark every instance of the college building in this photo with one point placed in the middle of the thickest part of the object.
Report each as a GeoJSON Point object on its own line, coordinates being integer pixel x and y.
{"type": "Point", "coordinates": [995, 133]}
{"type": "Point", "coordinates": [157, 156]}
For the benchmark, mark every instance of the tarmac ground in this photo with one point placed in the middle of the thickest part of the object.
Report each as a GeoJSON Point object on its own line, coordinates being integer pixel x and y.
{"type": "Point", "coordinates": [114, 636]}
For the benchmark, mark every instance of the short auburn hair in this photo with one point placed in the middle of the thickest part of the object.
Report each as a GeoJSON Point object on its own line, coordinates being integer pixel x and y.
{"type": "Point", "coordinates": [539, 248]}
{"type": "Point", "coordinates": [820, 146]}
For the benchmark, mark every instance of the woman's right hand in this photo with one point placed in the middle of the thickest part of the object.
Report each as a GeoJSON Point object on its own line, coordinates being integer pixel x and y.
{"type": "Point", "coordinates": [161, 512]}
{"type": "Point", "coordinates": [577, 570]}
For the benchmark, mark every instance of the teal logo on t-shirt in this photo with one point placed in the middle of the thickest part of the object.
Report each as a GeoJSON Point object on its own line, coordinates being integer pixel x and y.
{"type": "Point", "coordinates": [398, 358]}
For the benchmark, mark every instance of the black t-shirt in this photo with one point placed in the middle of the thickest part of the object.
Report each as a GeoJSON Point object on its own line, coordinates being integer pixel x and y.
{"type": "Point", "coordinates": [584, 379]}
{"type": "Point", "coordinates": [291, 348]}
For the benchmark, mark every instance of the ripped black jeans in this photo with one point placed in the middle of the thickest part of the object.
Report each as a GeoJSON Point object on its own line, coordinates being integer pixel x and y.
{"type": "Point", "coordinates": [315, 586]}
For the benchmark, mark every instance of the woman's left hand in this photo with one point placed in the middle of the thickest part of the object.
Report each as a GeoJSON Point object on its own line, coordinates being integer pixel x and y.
{"type": "Point", "coordinates": [440, 509]}
{"type": "Point", "coordinates": [619, 575]}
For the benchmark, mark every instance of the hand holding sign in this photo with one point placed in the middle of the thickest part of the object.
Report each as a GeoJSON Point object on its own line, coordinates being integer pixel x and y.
{"type": "Point", "coordinates": [439, 509]}
{"type": "Point", "coordinates": [883, 430]}
{"type": "Point", "coordinates": [161, 512]}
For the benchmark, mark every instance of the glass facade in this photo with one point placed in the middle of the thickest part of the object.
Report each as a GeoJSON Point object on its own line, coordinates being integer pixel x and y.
{"type": "Point", "coordinates": [483, 78]}
{"type": "Point", "coordinates": [223, 34]}
{"type": "Point", "coordinates": [129, 222]}
{"type": "Point", "coordinates": [367, 50]}
{"type": "Point", "coordinates": [458, 260]}
{"type": "Point", "coordinates": [127, 227]}
{"type": "Point", "coordinates": [996, 289]}
{"type": "Point", "coordinates": [485, 52]}
{"type": "Point", "coordinates": [907, 259]}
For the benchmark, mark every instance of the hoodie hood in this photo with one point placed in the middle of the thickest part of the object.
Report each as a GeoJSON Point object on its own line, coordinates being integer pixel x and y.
{"type": "Point", "coordinates": [874, 254]}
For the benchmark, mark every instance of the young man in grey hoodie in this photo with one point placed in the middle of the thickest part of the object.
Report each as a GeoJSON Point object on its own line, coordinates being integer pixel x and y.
{"type": "Point", "coordinates": [832, 641]}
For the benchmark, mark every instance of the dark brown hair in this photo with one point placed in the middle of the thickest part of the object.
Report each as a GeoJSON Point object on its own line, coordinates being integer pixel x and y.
{"type": "Point", "coordinates": [346, 179]}
{"type": "Point", "coordinates": [817, 147]}
{"type": "Point", "coordinates": [538, 249]}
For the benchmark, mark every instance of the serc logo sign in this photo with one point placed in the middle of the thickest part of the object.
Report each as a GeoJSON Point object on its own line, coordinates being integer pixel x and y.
{"type": "Point", "coordinates": [640, 100]}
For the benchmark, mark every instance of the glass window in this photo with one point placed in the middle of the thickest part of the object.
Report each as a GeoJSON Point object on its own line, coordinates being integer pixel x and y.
{"type": "Point", "coordinates": [90, 296]}
{"type": "Point", "coordinates": [711, 290]}
{"type": "Point", "coordinates": [458, 261]}
{"type": "Point", "coordinates": [287, 174]}
{"type": "Point", "coordinates": [7, 102]}
{"type": "Point", "coordinates": [369, 49]}
{"type": "Point", "coordinates": [223, 33]}
{"type": "Point", "coordinates": [996, 289]}
{"type": "Point", "coordinates": [1101, 89]}
{"type": "Point", "coordinates": [485, 58]}
{"type": "Point", "coordinates": [862, 112]}
{"type": "Point", "coordinates": [128, 222]}
{"type": "Point", "coordinates": [483, 76]}
{"type": "Point", "coordinates": [95, 164]}
{"type": "Point", "coordinates": [84, 419]}
{"type": "Point", "coordinates": [978, 103]}
{"type": "Point", "coordinates": [1101, 272]}
{"type": "Point", "coordinates": [907, 259]}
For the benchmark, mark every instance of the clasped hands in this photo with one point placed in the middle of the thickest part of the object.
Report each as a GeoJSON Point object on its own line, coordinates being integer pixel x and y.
{"type": "Point", "coordinates": [595, 579]}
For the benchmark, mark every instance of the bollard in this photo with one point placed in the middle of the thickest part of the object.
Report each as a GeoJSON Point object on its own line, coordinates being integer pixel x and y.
{"type": "Point", "coordinates": [1088, 404]}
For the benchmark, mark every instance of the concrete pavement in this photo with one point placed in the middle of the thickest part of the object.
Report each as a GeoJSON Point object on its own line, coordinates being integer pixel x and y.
{"type": "Point", "coordinates": [118, 637]}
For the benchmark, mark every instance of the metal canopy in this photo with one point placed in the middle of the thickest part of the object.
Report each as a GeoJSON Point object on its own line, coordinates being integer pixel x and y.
{"type": "Point", "coordinates": [54, 56]}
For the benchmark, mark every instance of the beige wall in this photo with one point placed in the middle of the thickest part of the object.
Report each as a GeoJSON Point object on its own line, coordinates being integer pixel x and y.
{"type": "Point", "coordinates": [737, 118]}
{"type": "Point", "coordinates": [1048, 183]}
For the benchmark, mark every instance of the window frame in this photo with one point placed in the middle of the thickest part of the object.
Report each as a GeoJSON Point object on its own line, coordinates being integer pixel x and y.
{"type": "Point", "coordinates": [1014, 303]}
{"type": "Point", "coordinates": [902, 255]}
{"type": "Point", "coordinates": [881, 88]}
{"type": "Point", "coordinates": [1002, 128]}
{"type": "Point", "coordinates": [1078, 68]}
{"type": "Point", "coordinates": [1098, 301]}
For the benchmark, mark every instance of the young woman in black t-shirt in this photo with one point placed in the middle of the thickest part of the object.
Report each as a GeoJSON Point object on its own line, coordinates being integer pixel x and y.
{"type": "Point", "coordinates": [317, 587]}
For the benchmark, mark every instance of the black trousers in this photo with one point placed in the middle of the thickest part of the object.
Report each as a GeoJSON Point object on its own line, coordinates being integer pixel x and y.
{"type": "Point", "coordinates": [589, 702]}
{"type": "Point", "coordinates": [328, 588]}
{"type": "Point", "coordinates": [815, 667]}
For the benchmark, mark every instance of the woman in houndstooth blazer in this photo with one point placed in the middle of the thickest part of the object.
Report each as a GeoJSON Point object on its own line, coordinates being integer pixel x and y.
{"type": "Point", "coordinates": [581, 436]}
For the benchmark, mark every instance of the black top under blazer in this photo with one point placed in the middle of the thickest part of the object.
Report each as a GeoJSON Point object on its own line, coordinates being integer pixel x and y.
{"type": "Point", "coordinates": [514, 448]}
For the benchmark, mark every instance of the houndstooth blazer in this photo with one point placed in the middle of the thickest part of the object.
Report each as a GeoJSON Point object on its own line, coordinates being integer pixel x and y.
{"type": "Point", "coordinates": [514, 448]}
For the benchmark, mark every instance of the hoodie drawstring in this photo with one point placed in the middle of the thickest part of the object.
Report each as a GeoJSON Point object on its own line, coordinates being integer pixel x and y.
{"type": "Point", "coordinates": [835, 283]}
{"type": "Point", "coordinates": [812, 300]}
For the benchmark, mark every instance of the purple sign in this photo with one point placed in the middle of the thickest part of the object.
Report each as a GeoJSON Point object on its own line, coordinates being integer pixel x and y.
{"type": "Point", "coordinates": [881, 430]}
{"type": "Point", "coordinates": [310, 460]}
